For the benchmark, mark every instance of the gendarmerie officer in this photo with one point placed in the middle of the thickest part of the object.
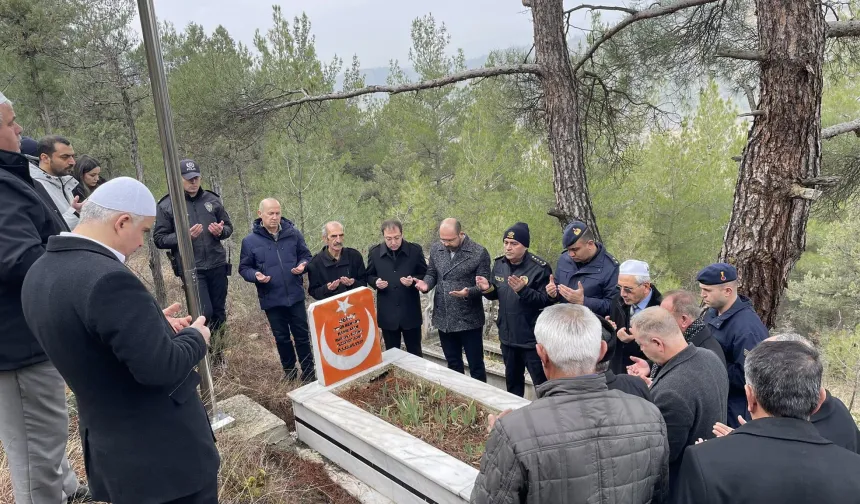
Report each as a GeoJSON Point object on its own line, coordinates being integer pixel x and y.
{"type": "Point", "coordinates": [586, 273]}
{"type": "Point", "coordinates": [210, 224]}
{"type": "Point", "coordinates": [519, 281]}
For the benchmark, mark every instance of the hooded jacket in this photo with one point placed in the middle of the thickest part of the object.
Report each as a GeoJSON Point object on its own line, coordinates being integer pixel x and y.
{"type": "Point", "coordinates": [61, 190]}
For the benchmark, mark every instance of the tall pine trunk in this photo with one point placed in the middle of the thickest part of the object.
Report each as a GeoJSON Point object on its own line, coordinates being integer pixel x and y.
{"type": "Point", "coordinates": [562, 115]}
{"type": "Point", "coordinates": [767, 231]}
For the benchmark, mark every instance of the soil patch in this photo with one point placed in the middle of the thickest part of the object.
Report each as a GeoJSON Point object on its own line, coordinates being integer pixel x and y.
{"type": "Point", "coordinates": [454, 424]}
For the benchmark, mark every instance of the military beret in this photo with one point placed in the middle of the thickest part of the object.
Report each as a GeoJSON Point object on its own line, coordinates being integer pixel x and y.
{"type": "Point", "coordinates": [518, 232]}
{"type": "Point", "coordinates": [717, 274]}
{"type": "Point", "coordinates": [572, 233]}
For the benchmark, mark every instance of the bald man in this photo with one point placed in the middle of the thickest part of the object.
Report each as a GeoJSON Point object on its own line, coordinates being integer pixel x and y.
{"type": "Point", "coordinates": [274, 258]}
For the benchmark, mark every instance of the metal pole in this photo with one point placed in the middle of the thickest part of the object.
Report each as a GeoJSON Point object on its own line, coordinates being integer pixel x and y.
{"type": "Point", "coordinates": [158, 80]}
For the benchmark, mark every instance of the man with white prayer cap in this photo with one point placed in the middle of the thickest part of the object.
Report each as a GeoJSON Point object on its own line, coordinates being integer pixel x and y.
{"type": "Point", "coordinates": [146, 435]}
{"type": "Point", "coordinates": [635, 293]}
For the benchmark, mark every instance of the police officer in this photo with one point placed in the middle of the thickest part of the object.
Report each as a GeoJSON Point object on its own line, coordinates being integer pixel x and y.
{"type": "Point", "coordinates": [735, 325]}
{"type": "Point", "coordinates": [587, 274]}
{"type": "Point", "coordinates": [210, 224]}
{"type": "Point", "coordinates": [519, 281]}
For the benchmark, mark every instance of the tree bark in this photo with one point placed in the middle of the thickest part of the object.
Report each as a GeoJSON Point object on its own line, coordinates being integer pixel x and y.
{"type": "Point", "coordinates": [562, 115]}
{"type": "Point", "coordinates": [246, 196]}
{"type": "Point", "coordinates": [44, 112]}
{"type": "Point", "coordinates": [134, 147]}
{"type": "Point", "coordinates": [767, 231]}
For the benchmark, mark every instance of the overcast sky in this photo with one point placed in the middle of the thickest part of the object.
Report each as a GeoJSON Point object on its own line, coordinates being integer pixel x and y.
{"type": "Point", "coordinates": [377, 31]}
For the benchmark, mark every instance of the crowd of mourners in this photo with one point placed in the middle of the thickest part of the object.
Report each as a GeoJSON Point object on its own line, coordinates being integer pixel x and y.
{"type": "Point", "coordinates": [642, 396]}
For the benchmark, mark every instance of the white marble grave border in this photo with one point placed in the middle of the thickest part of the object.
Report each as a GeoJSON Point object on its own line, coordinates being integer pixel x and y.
{"type": "Point", "coordinates": [398, 465]}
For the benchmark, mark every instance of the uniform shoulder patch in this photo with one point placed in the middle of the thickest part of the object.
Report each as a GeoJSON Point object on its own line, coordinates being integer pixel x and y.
{"type": "Point", "coordinates": [611, 258]}
{"type": "Point", "coordinates": [537, 259]}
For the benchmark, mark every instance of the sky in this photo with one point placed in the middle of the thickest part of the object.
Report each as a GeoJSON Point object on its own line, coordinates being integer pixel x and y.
{"type": "Point", "coordinates": [377, 31]}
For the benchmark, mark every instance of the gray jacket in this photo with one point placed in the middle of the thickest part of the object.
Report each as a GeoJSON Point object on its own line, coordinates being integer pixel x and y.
{"type": "Point", "coordinates": [579, 442]}
{"type": "Point", "coordinates": [60, 189]}
{"type": "Point", "coordinates": [452, 314]}
{"type": "Point", "coordinates": [692, 391]}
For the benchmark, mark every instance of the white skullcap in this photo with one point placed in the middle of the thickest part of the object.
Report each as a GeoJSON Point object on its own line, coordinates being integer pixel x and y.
{"type": "Point", "coordinates": [635, 268]}
{"type": "Point", "coordinates": [3, 99]}
{"type": "Point", "coordinates": [124, 194]}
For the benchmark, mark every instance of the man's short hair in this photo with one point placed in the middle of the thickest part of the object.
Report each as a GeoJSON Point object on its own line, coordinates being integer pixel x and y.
{"type": "Point", "coordinates": [684, 302]}
{"type": "Point", "coordinates": [47, 145]}
{"type": "Point", "coordinates": [94, 213]}
{"type": "Point", "coordinates": [329, 223]}
{"type": "Point", "coordinates": [785, 377]}
{"type": "Point", "coordinates": [571, 336]}
{"type": "Point", "coordinates": [392, 224]}
{"type": "Point", "coordinates": [587, 236]}
{"type": "Point", "coordinates": [655, 321]}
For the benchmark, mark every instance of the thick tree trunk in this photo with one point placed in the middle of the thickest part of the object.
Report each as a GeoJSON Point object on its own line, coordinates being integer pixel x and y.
{"type": "Point", "coordinates": [44, 112]}
{"type": "Point", "coordinates": [562, 115]}
{"type": "Point", "coordinates": [767, 231]}
{"type": "Point", "coordinates": [246, 196]}
{"type": "Point", "coordinates": [134, 144]}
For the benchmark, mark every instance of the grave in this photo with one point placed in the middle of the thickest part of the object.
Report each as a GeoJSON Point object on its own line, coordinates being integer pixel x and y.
{"type": "Point", "coordinates": [395, 463]}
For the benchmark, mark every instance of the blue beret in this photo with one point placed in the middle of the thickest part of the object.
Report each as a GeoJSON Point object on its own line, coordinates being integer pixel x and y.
{"type": "Point", "coordinates": [572, 233]}
{"type": "Point", "coordinates": [717, 274]}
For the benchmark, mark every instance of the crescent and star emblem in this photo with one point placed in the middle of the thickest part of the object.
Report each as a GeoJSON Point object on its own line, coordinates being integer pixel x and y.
{"type": "Point", "coordinates": [348, 362]}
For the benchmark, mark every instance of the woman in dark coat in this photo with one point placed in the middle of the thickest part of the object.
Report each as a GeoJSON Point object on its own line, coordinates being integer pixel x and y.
{"type": "Point", "coordinates": [88, 174]}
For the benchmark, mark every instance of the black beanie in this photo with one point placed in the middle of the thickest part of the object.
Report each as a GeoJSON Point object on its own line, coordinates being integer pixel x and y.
{"type": "Point", "coordinates": [518, 232]}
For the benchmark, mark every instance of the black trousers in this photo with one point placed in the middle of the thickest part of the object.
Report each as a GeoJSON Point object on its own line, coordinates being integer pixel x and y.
{"type": "Point", "coordinates": [293, 319]}
{"type": "Point", "coordinates": [412, 338]}
{"type": "Point", "coordinates": [517, 360]}
{"type": "Point", "coordinates": [212, 285]}
{"type": "Point", "coordinates": [209, 495]}
{"type": "Point", "coordinates": [472, 342]}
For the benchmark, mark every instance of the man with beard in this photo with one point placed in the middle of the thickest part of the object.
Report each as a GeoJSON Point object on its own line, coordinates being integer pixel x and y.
{"type": "Point", "coordinates": [56, 162]}
{"type": "Point", "coordinates": [335, 269]}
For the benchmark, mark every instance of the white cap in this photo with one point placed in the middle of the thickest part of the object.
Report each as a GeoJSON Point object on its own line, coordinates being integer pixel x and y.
{"type": "Point", "coordinates": [3, 99]}
{"type": "Point", "coordinates": [124, 194]}
{"type": "Point", "coordinates": [635, 268]}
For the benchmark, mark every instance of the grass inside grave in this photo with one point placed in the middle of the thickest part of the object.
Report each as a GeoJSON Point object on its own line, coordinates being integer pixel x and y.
{"type": "Point", "coordinates": [454, 424]}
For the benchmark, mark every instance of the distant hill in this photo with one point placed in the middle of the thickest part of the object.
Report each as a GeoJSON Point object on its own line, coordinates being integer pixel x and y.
{"type": "Point", "coordinates": [379, 75]}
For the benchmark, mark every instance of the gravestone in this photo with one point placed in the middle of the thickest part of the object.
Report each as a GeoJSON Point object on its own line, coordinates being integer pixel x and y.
{"type": "Point", "coordinates": [344, 335]}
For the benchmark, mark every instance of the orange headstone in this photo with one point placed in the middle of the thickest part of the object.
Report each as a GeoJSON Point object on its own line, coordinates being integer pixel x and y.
{"type": "Point", "coordinates": [345, 335]}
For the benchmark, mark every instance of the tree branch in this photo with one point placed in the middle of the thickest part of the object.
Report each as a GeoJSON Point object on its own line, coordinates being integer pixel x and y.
{"type": "Point", "coordinates": [840, 129]}
{"type": "Point", "coordinates": [602, 7]}
{"type": "Point", "coordinates": [404, 88]}
{"type": "Point", "coordinates": [649, 13]}
{"type": "Point", "coordinates": [754, 113]}
{"type": "Point", "coordinates": [814, 182]}
{"type": "Point", "coordinates": [741, 55]}
{"type": "Point", "coordinates": [838, 29]}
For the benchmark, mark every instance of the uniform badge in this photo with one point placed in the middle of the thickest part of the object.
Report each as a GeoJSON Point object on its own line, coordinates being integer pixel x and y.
{"type": "Point", "coordinates": [577, 231]}
{"type": "Point", "coordinates": [209, 207]}
{"type": "Point", "coordinates": [191, 165]}
{"type": "Point", "coordinates": [500, 279]}
{"type": "Point", "coordinates": [723, 276]}
{"type": "Point", "coordinates": [510, 235]}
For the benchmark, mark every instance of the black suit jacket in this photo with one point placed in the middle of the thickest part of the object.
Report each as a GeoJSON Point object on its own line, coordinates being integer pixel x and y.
{"type": "Point", "coordinates": [323, 269]}
{"type": "Point", "coordinates": [619, 313]}
{"type": "Point", "coordinates": [835, 423]}
{"type": "Point", "coordinates": [397, 306]}
{"type": "Point", "coordinates": [146, 436]}
{"type": "Point", "coordinates": [782, 460]}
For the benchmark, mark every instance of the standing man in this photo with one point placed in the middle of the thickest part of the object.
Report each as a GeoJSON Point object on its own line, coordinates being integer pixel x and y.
{"type": "Point", "coordinates": [687, 311]}
{"type": "Point", "coordinates": [458, 310]}
{"type": "Point", "coordinates": [635, 293]}
{"type": "Point", "coordinates": [779, 456]}
{"type": "Point", "coordinates": [56, 162]}
{"type": "Point", "coordinates": [210, 224]}
{"type": "Point", "coordinates": [145, 433]}
{"type": "Point", "coordinates": [735, 325]}
{"type": "Point", "coordinates": [691, 387]}
{"type": "Point", "coordinates": [392, 269]}
{"type": "Point", "coordinates": [335, 269]}
{"type": "Point", "coordinates": [587, 274]}
{"type": "Point", "coordinates": [519, 283]}
{"type": "Point", "coordinates": [274, 258]}
{"type": "Point", "coordinates": [34, 422]}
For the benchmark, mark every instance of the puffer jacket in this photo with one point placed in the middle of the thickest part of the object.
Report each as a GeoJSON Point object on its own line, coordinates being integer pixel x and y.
{"type": "Point", "coordinates": [61, 190]}
{"type": "Point", "coordinates": [577, 443]}
{"type": "Point", "coordinates": [261, 252]}
{"type": "Point", "coordinates": [453, 314]}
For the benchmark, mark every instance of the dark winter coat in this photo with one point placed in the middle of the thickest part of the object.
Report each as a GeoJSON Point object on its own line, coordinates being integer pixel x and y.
{"type": "Point", "coordinates": [782, 460]}
{"type": "Point", "coordinates": [518, 311]}
{"type": "Point", "coordinates": [28, 217]}
{"type": "Point", "coordinates": [629, 384]}
{"type": "Point", "coordinates": [835, 423]}
{"type": "Point", "coordinates": [275, 258]}
{"type": "Point", "coordinates": [691, 391]}
{"type": "Point", "coordinates": [323, 270]}
{"type": "Point", "coordinates": [453, 314]}
{"type": "Point", "coordinates": [704, 339]}
{"type": "Point", "coordinates": [204, 208]}
{"type": "Point", "coordinates": [577, 443]}
{"type": "Point", "coordinates": [146, 436]}
{"type": "Point", "coordinates": [599, 278]}
{"type": "Point", "coordinates": [620, 314]}
{"type": "Point", "coordinates": [738, 331]}
{"type": "Point", "coordinates": [397, 306]}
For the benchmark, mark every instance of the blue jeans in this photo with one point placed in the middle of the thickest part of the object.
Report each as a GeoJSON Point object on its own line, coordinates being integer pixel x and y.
{"type": "Point", "coordinates": [472, 341]}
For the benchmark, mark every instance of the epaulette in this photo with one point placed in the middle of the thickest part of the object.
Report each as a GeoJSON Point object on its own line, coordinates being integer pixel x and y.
{"type": "Point", "coordinates": [537, 259]}
{"type": "Point", "coordinates": [611, 258]}
{"type": "Point", "coordinates": [213, 192]}
{"type": "Point", "coordinates": [164, 198]}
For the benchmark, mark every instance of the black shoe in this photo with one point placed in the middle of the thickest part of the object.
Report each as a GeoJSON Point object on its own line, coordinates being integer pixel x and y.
{"type": "Point", "coordinates": [291, 374]}
{"type": "Point", "coordinates": [82, 494]}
